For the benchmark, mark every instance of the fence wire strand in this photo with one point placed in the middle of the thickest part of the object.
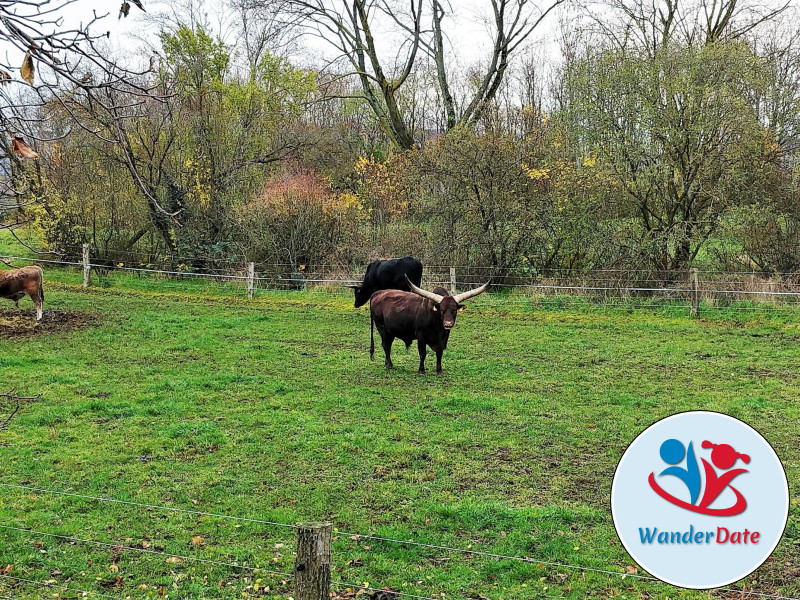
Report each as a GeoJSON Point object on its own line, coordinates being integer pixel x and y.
{"type": "Point", "coordinates": [464, 551]}
{"type": "Point", "coordinates": [144, 505]}
{"type": "Point", "coordinates": [147, 551]}
{"type": "Point", "coordinates": [65, 586]}
{"type": "Point", "coordinates": [321, 277]}
{"type": "Point", "coordinates": [356, 586]}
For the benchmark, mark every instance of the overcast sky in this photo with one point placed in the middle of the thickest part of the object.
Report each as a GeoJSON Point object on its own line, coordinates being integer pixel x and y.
{"type": "Point", "coordinates": [467, 30]}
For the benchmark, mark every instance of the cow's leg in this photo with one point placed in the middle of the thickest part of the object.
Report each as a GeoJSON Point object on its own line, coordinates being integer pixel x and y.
{"type": "Point", "coordinates": [439, 360]}
{"type": "Point", "coordinates": [423, 351]}
{"type": "Point", "coordinates": [38, 302]}
{"type": "Point", "coordinates": [386, 342]}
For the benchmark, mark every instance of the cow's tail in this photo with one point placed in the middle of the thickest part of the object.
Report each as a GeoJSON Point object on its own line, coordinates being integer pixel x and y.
{"type": "Point", "coordinates": [371, 335]}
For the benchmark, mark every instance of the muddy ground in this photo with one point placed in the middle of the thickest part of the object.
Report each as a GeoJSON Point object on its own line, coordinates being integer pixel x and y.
{"type": "Point", "coordinates": [21, 323]}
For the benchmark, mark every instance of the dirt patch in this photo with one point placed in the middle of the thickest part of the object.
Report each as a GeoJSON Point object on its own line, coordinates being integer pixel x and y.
{"type": "Point", "coordinates": [21, 323]}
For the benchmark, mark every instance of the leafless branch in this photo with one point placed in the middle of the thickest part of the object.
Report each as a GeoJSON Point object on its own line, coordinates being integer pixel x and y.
{"type": "Point", "coordinates": [18, 402]}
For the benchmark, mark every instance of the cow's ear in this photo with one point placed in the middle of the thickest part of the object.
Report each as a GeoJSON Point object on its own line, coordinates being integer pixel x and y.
{"type": "Point", "coordinates": [462, 307]}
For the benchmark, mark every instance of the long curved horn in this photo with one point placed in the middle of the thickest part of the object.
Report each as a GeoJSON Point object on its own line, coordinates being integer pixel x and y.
{"type": "Point", "coordinates": [467, 295]}
{"type": "Point", "coordinates": [425, 294]}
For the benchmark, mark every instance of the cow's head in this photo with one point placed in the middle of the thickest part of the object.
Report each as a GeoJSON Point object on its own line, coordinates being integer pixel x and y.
{"type": "Point", "coordinates": [445, 305]}
{"type": "Point", "coordinates": [362, 295]}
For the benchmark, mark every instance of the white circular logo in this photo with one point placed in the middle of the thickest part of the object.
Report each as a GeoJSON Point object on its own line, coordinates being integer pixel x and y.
{"type": "Point", "coordinates": [700, 499]}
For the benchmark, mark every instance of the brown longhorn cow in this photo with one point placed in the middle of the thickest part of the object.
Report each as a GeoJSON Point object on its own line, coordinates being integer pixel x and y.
{"type": "Point", "coordinates": [19, 283]}
{"type": "Point", "coordinates": [418, 315]}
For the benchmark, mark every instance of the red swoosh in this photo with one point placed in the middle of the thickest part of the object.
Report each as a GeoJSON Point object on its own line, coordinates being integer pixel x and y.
{"type": "Point", "coordinates": [737, 508]}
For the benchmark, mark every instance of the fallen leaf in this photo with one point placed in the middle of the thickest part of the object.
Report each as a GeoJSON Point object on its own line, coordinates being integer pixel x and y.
{"type": "Point", "coordinates": [357, 562]}
{"type": "Point", "coordinates": [631, 569]}
{"type": "Point", "coordinates": [197, 540]}
{"type": "Point", "coordinates": [5, 77]}
{"type": "Point", "coordinates": [7, 569]}
{"type": "Point", "coordinates": [173, 560]}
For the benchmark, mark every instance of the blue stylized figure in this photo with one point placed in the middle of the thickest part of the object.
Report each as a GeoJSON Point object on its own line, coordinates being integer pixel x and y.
{"type": "Point", "coordinates": [672, 452]}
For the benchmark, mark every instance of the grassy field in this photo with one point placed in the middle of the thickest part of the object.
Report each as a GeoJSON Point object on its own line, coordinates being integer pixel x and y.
{"type": "Point", "coordinates": [184, 395]}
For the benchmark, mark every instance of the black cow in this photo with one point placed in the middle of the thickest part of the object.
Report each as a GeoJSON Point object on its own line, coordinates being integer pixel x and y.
{"type": "Point", "coordinates": [387, 275]}
{"type": "Point", "coordinates": [424, 316]}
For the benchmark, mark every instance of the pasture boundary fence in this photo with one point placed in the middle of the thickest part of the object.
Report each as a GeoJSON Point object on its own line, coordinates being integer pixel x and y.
{"type": "Point", "coordinates": [312, 571]}
{"type": "Point", "coordinates": [607, 287]}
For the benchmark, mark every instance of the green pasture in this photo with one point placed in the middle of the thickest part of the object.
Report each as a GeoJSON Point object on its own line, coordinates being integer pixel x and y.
{"type": "Point", "coordinates": [185, 394]}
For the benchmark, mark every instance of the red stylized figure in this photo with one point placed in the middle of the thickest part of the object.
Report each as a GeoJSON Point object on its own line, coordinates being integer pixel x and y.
{"type": "Point", "coordinates": [724, 457]}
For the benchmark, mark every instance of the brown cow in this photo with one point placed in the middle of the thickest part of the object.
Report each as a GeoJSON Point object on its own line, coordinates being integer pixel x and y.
{"type": "Point", "coordinates": [418, 315]}
{"type": "Point", "coordinates": [19, 283]}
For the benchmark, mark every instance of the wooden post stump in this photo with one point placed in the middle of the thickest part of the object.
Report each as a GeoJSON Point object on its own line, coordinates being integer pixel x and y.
{"type": "Point", "coordinates": [251, 277]}
{"type": "Point", "coordinates": [453, 280]}
{"type": "Point", "coordinates": [693, 280]}
{"type": "Point", "coordinates": [312, 567]}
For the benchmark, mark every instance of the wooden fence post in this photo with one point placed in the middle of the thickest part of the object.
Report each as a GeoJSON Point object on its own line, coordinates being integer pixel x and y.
{"type": "Point", "coordinates": [693, 281]}
{"type": "Point", "coordinates": [312, 567]}
{"type": "Point", "coordinates": [251, 276]}
{"type": "Point", "coordinates": [453, 281]}
{"type": "Point", "coordinates": [86, 267]}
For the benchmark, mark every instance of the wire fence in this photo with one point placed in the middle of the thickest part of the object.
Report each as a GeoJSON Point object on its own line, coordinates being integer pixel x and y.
{"type": "Point", "coordinates": [748, 291]}
{"type": "Point", "coordinates": [119, 549]}
{"type": "Point", "coordinates": [613, 288]}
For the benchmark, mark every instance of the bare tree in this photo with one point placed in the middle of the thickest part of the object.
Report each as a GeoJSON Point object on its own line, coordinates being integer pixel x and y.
{"type": "Point", "coordinates": [355, 28]}
{"type": "Point", "coordinates": [58, 61]}
{"type": "Point", "coordinates": [652, 24]}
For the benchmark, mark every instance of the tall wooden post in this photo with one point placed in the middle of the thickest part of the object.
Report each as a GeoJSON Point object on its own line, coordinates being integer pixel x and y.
{"type": "Point", "coordinates": [312, 567]}
{"type": "Point", "coordinates": [251, 277]}
{"type": "Point", "coordinates": [86, 266]}
{"type": "Point", "coordinates": [453, 280]}
{"type": "Point", "coordinates": [694, 284]}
